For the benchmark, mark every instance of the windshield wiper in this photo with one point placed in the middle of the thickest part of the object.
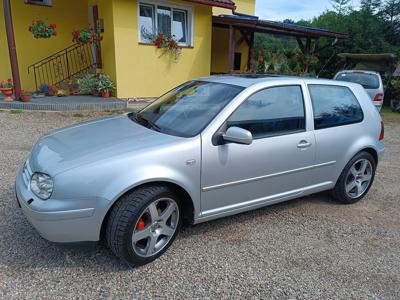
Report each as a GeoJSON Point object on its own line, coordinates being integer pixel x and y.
{"type": "Point", "coordinates": [150, 124]}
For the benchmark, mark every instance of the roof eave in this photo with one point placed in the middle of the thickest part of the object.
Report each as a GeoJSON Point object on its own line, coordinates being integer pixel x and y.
{"type": "Point", "coordinates": [263, 25]}
{"type": "Point", "coordinates": [213, 3]}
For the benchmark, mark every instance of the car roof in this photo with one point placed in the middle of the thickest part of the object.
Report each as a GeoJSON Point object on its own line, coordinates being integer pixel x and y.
{"type": "Point", "coordinates": [249, 80]}
{"type": "Point", "coordinates": [241, 80]}
{"type": "Point", "coordinates": [359, 71]}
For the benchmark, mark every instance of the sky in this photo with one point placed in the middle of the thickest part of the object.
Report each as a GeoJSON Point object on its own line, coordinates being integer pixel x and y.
{"type": "Point", "coordinates": [280, 10]}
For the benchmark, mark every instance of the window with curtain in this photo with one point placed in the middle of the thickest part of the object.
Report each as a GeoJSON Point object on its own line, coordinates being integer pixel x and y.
{"type": "Point", "coordinates": [179, 25]}
{"type": "Point", "coordinates": [165, 19]}
{"type": "Point", "coordinates": [146, 21]}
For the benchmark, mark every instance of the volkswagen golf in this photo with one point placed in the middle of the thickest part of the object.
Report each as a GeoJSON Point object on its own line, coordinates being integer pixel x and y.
{"type": "Point", "coordinates": [210, 148]}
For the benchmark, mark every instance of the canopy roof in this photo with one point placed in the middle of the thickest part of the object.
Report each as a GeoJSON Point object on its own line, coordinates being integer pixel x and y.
{"type": "Point", "coordinates": [380, 62]}
{"type": "Point", "coordinates": [368, 57]}
{"type": "Point", "coordinates": [255, 24]}
{"type": "Point", "coordinates": [219, 3]}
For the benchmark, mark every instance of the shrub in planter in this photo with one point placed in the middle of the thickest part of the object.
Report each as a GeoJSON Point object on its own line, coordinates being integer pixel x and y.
{"type": "Point", "coordinates": [88, 84]}
{"type": "Point", "coordinates": [26, 96]}
{"type": "Point", "coordinates": [105, 85]}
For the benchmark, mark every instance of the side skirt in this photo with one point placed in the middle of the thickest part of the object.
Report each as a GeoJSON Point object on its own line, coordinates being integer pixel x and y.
{"type": "Point", "coordinates": [261, 202]}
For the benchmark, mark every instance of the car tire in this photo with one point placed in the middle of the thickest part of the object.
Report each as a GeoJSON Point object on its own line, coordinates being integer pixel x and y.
{"type": "Point", "coordinates": [356, 179]}
{"type": "Point", "coordinates": [138, 229]}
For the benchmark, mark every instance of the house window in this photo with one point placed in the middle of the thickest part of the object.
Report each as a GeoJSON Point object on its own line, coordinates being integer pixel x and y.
{"type": "Point", "coordinates": [39, 2]}
{"type": "Point", "coordinates": [168, 19]}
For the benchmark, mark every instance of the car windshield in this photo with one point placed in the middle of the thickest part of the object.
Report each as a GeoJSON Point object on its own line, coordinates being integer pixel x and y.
{"type": "Point", "coordinates": [188, 109]}
{"type": "Point", "coordinates": [368, 81]}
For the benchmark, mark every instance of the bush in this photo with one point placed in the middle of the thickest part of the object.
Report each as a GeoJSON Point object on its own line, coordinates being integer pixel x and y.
{"type": "Point", "coordinates": [88, 84]}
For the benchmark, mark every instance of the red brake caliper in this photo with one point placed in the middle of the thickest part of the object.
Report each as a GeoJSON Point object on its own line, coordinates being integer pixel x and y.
{"type": "Point", "coordinates": [140, 225]}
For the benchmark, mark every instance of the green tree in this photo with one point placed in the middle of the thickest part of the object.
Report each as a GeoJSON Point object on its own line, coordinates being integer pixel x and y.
{"type": "Point", "coordinates": [391, 14]}
{"type": "Point", "coordinates": [340, 6]}
{"type": "Point", "coordinates": [371, 6]}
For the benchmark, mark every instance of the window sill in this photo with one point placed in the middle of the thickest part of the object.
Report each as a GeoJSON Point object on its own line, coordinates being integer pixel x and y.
{"type": "Point", "coordinates": [181, 46]}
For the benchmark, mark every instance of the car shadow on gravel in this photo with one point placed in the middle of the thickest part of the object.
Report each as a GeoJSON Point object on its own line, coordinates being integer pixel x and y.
{"type": "Point", "coordinates": [257, 215]}
{"type": "Point", "coordinates": [22, 246]}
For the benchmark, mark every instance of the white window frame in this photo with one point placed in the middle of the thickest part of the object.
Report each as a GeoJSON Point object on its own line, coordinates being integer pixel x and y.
{"type": "Point", "coordinates": [187, 8]}
{"type": "Point", "coordinates": [42, 3]}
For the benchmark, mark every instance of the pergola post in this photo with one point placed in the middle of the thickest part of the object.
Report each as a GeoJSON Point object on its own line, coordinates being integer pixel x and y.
{"type": "Point", "coordinates": [232, 48]}
{"type": "Point", "coordinates": [305, 49]}
{"type": "Point", "coordinates": [12, 48]}
{"type": "Point", "coordinates": [250, 55]}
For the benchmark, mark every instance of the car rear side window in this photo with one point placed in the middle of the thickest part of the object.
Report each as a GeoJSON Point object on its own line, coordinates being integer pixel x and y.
{"type": "Point", "coordinates": [272, 111]}
{"type": "Point", "coordinates": [334, 106]}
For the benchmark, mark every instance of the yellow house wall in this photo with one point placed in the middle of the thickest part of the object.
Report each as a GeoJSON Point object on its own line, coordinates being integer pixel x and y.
{"type": "Point", "coordinates": [5, 69]}
{"type": "Point", "coordinates": [220, 51]}
{"type": "Point", "coordinates": [140, 72]}
{"type": "Point", "coordinates": [67, 15]}
{"type": "Point", "coordinates": [247, 7]}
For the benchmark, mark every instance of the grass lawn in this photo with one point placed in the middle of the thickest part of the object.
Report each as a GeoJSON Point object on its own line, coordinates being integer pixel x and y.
{"type": "Point", "coordinates": [388, 115]}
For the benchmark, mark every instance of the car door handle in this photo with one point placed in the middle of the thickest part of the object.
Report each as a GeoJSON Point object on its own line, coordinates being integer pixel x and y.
{"type": "Point", "coordinates": [304, 144]}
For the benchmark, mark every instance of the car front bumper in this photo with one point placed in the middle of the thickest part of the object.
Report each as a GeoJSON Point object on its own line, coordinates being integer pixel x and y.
{"type": "Point", "coordinates": [52, 221]}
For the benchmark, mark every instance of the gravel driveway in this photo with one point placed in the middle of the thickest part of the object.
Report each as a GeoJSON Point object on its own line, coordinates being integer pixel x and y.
{"type": "Point", "coordinates": [304, 249]}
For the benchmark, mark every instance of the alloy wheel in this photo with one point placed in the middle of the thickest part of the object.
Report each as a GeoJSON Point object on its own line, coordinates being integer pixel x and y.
{"type": "Point", "coordinates": [359, 178]}
{"type": "Point", "coordinates": [155, 227]}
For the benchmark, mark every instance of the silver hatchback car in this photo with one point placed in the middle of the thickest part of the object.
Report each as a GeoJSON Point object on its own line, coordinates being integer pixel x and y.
{"type": "Point", "coordinates": [370, 80]}
{"type": "Point", "coordinates": [210, 148]}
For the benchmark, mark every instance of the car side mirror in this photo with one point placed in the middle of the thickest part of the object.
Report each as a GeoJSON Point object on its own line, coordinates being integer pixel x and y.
{"type": "Point", "coordinates": [238, 135]}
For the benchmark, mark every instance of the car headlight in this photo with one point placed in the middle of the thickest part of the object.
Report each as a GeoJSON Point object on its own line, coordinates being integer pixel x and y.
{"type": "Point", "coordinates": [42, 185]}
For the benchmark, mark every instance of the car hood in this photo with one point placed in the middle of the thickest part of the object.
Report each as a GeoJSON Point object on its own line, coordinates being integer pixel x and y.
{"type": "Point", "coordinates": [93, 141]}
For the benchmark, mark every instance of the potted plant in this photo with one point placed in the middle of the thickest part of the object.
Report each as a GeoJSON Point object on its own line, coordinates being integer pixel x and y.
{"type": "Point", "coordinates": [105, 85]}
{"type": "Point", "coordinates": [26, 96]}
{"type": "Point", "coordinates": [53, 89]}
{"type": "Point", "coordinates": [166, 43]}
{"type": "Point", "coordinates": [87, 84]}
{"type": "Point", "coordinates": [41, 30]}
{"type": "Point", "coordinates": [86, 35]}
{"type": "Point", "coordinates": [6, 87]}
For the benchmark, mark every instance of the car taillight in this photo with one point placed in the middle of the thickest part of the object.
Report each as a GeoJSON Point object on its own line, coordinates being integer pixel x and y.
{"type": "Point", "coordinates": [378, 97]}
{"type": "Point", "coordinates": [382, 135]}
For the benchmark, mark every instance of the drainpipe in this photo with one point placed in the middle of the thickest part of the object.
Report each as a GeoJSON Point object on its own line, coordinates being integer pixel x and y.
{"type": "Point", "coordinates": [12, 48]}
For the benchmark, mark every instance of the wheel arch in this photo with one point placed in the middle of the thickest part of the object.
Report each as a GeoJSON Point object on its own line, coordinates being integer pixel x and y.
{"type": "Point", "coordinates": [186, 201]}
{"type": "Point", "coordinates": [371, 151]}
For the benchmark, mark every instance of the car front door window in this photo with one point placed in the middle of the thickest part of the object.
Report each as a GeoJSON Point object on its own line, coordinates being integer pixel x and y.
{"type": "Point", "coordinates": [270, 112]}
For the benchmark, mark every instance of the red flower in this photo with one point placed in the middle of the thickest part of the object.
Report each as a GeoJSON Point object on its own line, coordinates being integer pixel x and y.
{"type": "Point", "coordinates": [30, 29]}
{"type": "Point", "coordinates": [54, 26]}
{"type": "Point", "coordinates": [9, 80]}
{"type": "Point", "coordinates": [261, 58]}
{"type": "Point", "coordinates": [42, 30]}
